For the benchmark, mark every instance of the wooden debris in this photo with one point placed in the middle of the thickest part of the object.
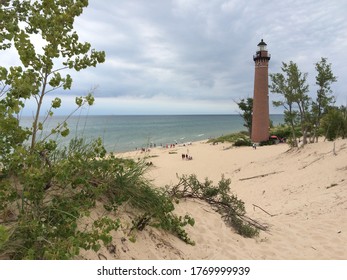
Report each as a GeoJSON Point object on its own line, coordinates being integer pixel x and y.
{"type": "Point", "coordinates": [260, 176]}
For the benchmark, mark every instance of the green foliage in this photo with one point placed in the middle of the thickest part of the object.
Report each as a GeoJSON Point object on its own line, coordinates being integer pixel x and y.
{"type": "Point", "coordinates": [41, 71]}
{"type": "Point", "coordinates": [242, 142]}
{"type": "Point", "coordinates": [12, 134]}
{"type": "Point", "coordinates": [334, 123]}
{"type": "Point", "coordinates": [231, 138]}
{"type": "Point", "coordinates": [282, 131]}
{"type": "Point", "coordinates": [246, 106]}
{"type": "Point", "coordinates": [44, 190]}
{"type": "Point", "coordinates": [300, 110]}
{"type": "Point", "coordinates": [56, 188]}
{"type": "Point", "coordinates": [128, 185]}
{"type": "Point", "coordinates": [267, 142]}
{"type": "Point", "coordinates": [324, 79]}
{"type": "Point", "coordinates": [293, 88]}
{"type": "Point", "coordinates": [4, 235]}
{"type": "Point", "coordinates": [218, 196]}
{"type": "Point", "coordinates": [50, 194]}
{"type": "Point", "coordinates": [324, 99]}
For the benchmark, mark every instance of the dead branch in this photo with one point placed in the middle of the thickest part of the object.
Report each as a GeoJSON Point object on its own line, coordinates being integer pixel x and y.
{"type": "Point", "coordinates": [331, 186]}
{"type": "Point", "coordinates": [271, 215]}
{"type": "Point", "coordinates": [228, 206]}
{"type": "Point", "coordinates": [259, 176]}
{"type": "Point", "coordinates": [317, 159]}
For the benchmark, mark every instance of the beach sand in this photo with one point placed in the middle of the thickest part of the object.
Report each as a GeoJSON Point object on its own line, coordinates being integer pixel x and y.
{"type": "Point", "coordinates": [301, 194]}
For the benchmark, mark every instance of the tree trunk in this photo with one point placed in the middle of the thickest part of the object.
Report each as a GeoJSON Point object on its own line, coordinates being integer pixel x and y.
{"type": "Point", "coordinates": [37, 115]}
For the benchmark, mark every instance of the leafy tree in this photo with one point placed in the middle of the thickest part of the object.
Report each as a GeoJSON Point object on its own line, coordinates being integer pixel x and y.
{"type": "Point", "coordinates": [293, 87]}
{"type": "Point", "coordinates": [334, 123]}
{"type": "Point", "coordinates": [41, 222]}
{"type": "Point", "coordinates": [343, 110]}
{"type": "Point", "coordinates": [22, 23]}
{"type": "Point", "coordinates": [246, 106]}
{"type": "Point", "coordinates": [324, 99]}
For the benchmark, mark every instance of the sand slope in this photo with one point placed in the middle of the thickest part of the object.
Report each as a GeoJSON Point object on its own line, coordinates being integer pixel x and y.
{"type": "Point", "coordinates": [301, 194]}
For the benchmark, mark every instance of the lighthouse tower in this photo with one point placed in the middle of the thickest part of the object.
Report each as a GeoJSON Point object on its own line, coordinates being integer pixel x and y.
{"type": "Point", "coordinates": [260, 119]}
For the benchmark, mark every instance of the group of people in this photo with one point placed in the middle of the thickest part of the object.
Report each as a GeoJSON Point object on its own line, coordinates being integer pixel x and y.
{"type": "Point", "coordinates": [170, 146]}
{"type": "Point", "coordinates": [187, 157]}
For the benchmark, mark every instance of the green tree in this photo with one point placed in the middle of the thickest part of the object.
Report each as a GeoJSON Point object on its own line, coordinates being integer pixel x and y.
{"type": "Point", "coordinates": [324, 99]}
{"type": "Point", "coordinates": [293, 87]}
{"type": "Point", "coordinates": [246, 106]}
{"type": "Point", "coordinates": [22, 23]}
{"type": "Point", "coordinates": [41, 33]}
{"type": "Point", "coordinates": [334, 123]}
{"type": "Point", "coordinates": [344, 117]}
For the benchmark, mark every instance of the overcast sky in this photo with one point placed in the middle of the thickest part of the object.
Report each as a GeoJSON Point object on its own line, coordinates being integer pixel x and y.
{"type": "Point", "coordinates": [195, 56]}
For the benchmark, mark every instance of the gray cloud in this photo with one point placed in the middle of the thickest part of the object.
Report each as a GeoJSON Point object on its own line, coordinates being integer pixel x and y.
{"type": "Point", "coordinates": [200, 52]}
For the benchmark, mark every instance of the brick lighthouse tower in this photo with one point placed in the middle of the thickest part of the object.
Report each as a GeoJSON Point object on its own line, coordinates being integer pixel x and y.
{"type": "Point", "coordinates": [260, 119]}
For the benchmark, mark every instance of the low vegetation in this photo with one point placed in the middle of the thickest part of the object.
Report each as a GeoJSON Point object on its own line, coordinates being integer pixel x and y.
{"type": "Point", "coordinates": [218, 196]}
{"type": "Point", "coordinates": [44, 198]}
{"type": "Point", "coordinates": [237, 139]}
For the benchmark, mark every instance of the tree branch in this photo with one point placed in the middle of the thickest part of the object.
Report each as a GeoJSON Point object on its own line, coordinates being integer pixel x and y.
{"type": "Point", "coordinates": [262, 175]}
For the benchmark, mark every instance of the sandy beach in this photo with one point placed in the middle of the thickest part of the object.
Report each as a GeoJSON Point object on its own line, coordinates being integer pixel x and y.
{"type": "Point", "coordinates": [300, 194]}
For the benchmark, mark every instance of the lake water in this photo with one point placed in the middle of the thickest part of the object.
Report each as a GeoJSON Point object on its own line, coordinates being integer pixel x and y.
{"type": "Point", "coordinates": [126, 133]}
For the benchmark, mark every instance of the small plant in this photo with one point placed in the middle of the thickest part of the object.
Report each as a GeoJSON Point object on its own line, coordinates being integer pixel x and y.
{"type": "Point", "coordinates": [129, 186]}
{"type": "Point", "coordinates": [229, 206]}
{"type": "Point", "coordinates": [231, 138]}
{"type": "Point", "coordinates": [242, 142]}
{"type": "Point", "coordinates": [267, 142]}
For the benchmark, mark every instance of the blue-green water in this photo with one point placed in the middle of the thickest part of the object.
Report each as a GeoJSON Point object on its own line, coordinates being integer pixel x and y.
{"type": "Point", "coordinates": [126, 133]}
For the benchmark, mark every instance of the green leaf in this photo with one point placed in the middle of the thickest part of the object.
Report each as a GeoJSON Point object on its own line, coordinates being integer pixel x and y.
{"type": "Point", "coordinates": [79, 101]}
{"type": "Point", "coordinates": [56, 103]}
{"type": "Point", "coordinates": [65, 132]}
{"type": "Point", "coordinates": [90, 99]}
{"type": "Point", "coordinates": [4, 236]}
{"type": "Point", "coordinates": [68, 82]}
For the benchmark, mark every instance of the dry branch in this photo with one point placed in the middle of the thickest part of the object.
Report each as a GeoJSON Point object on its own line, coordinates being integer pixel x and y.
{"type": "Point", "coordinates": [228, 206]}
{"type": "Point", "coordinates": [271, 215]}
{"type": "Point", "coordinates": [259, 176]}
{"type": "Point", "coordinates": [317, 159]}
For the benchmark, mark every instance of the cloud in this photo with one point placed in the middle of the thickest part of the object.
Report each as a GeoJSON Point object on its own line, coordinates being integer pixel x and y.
{"type": "Point", "coordinates": [201, 51]}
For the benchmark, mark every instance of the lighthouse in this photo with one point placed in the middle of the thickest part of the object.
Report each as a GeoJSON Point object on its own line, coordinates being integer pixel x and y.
{"type": "Point", "coordinates": [260, 118]}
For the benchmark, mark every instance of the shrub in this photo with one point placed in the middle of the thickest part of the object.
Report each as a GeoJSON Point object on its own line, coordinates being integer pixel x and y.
{"type": "Point", "coordinates": [242, 142]}
{"type": "Point", "coordinates": [267, 142]}
{"type": "Point", "coordinates": [228, 206]}
{"type": "Point", "coordinates": [282, 131]}
{"type": "Point", "coordinates": [334, 124]}
{"type": "Point", "coordinates": [52, 190]}
{"type": "Point", "coordinates": [231, 138]}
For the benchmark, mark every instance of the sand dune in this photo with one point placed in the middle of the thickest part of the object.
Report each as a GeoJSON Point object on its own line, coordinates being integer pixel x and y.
{"type": "Point", "coordinates": [301, 194]}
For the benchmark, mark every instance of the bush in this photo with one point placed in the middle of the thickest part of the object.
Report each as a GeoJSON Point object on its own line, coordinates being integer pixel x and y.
{"type": "Point", "coordinates": [334, 124]}
{"type": "Point", "coordinates": [267, 143]}
{"type": "Point", "coordinates": [50, 190]}
{"type": "Point", "coordinates": [242, 142]}
{"type": "Point", "coordinates": [228, 206]}
{"type": "Point", "coordinates": [231, 138]}
{"type": "Point", "coordinates": [282, 131]}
